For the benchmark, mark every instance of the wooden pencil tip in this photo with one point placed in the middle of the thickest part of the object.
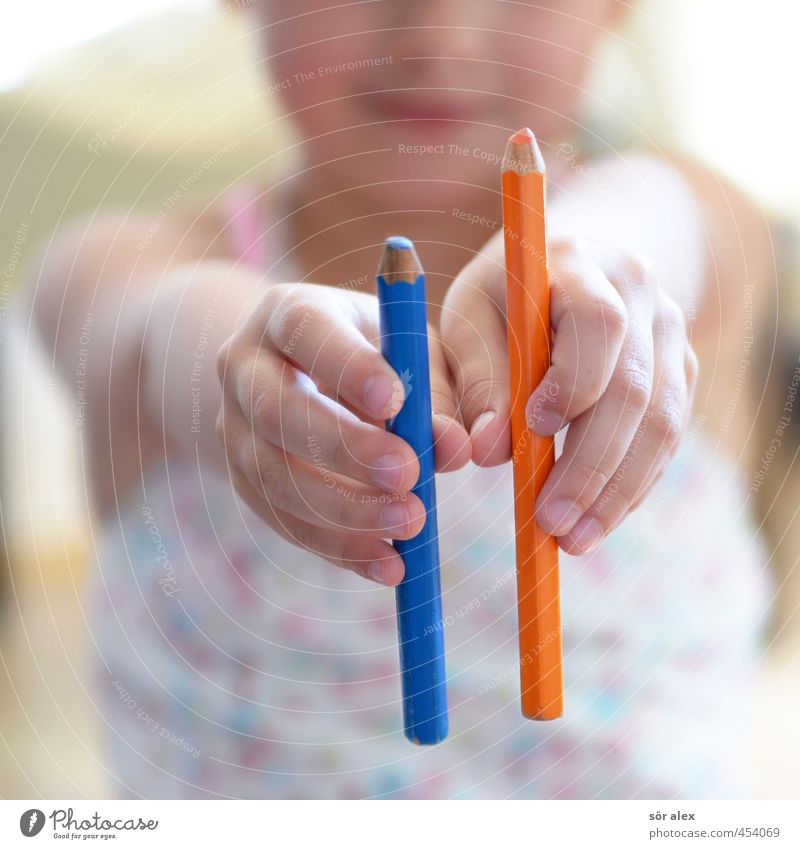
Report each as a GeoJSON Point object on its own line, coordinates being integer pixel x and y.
{"type": "Point", "coordinates": [399, 260]}
{"type": "Point", "coordinates": [522, 154]}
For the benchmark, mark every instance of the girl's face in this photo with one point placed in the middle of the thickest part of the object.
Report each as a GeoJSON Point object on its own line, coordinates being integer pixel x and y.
{"type": "Point", "coordinates": [435, 85]}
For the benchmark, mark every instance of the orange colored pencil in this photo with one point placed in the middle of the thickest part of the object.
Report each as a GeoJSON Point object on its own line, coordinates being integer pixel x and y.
{"type": "Point", "coordinates": [528, 318]}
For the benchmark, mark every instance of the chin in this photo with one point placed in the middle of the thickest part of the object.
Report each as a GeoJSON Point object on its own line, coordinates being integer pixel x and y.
{"type": "Point", "coordinates": [393, 190]}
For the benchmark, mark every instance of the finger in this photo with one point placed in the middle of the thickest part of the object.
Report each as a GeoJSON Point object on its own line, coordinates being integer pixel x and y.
{"type": "Point", "coordinates": [598, 440]}
{"type": "Point", "coordinates": [691, 372]}
{"type": "Point", "coordinates": [654, 444]}
{"type": "Point", "coordinates": [311, 492]}
{"type": "Point", "coordinates": [374, 559]}
{"type": "Point", "coordinates": [311, 327]}
{"type": "Point", "coordinates": [589, 320]}
{"type": "Point", "coordinates": [451, 443]}
{"type": "Point", "coordinates": [287, 409]}
{"type": "Point", "coordinates": [474, 333]}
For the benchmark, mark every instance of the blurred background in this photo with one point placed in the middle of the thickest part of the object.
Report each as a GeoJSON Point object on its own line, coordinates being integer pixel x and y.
{"type": "Point", "coordinates": [111, 104]}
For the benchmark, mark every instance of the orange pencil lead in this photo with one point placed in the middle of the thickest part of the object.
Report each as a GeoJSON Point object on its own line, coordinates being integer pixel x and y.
{"type": "Point", "coordinates": [523, 136]}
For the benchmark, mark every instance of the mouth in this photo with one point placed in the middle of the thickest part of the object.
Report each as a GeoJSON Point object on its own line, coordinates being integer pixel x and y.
{"type": "Point", "coordinates": [422, 112]}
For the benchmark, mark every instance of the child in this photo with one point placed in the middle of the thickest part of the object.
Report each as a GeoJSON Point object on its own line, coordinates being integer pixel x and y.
{"type": "Point", "coordinates": [237, 656]}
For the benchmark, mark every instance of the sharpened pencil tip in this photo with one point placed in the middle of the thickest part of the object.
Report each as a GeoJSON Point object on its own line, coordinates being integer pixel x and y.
{"type": "Point", "coordinates": [522, 154]}
{"type": "Point", "coordinates": [523, 136]}
{"type": "Point", "coordinates": [399, 260]}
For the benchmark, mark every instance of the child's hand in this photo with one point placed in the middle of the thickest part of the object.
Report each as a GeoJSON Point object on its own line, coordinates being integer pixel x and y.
{"type": "Point", "coordinates": [622, 374]}
{"type": "Point", "coordinates": [305, 393]}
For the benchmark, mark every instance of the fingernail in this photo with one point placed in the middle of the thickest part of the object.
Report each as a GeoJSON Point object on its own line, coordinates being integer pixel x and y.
{"type": "Point", "coordinates": [561, 516]}
{"type": "Point", "coordinates": [587, 534]}
{"type": "Point", "coordinates": [544, 422]}
{"type": "Point", "coordinates": [383, 397]}
{"type": "Point", "coordinates": [394, 517]}
{"type": "Point", "coordinates": [482, 422]}
{"type": "Point", "coordinates": [387, 471]}
{"type": "Point", "coordinates": [377, 572]}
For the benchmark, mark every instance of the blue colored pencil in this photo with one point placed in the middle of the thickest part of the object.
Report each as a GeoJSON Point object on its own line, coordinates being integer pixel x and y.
{"type": "Point", "coordinates": [404, 344]}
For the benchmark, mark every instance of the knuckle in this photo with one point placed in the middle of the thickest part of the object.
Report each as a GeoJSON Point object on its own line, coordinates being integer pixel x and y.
{"type": "Point", "coordinates": [263, 407]}
{"type": "Point", "coordinates": [275, 295]}
{"type": "Point", "coordinates": [477, 394]}
{"type": "Point", "coordinates": [441, 400]}
{"type": "Point", "coordinates": [246, 456]}
{"type": "Point", "coordinates": [612, 505]}
{"type": "Point", "coordinates": [613, 316]}
{"type": "Point", "coordinates": [341, 455]}
{"type": "Point", "coordinates": [566, 246]}
{"type": "Point", "coordinates": [291, 315]}
{"type": "Point", "coordinates": [622, 502]}
{"type": "Point", "coordinates": [347, 554]}
{"type": "Point", "coordinates": [272, 479]}
{"type": "Point", "coordinates": [337, 512]}
{"type": "Point", "coordinates": [606, 309]}
{"type": "Point", "coordinates": [258, 469]}
{"type": "Point", "coordinates": [635, 268]}
{"type": "Point", "coordinates": [589, 479]}
{"type": "Point", "coordinates": [667, 426]}
{"type": "Point", "coordinates": [672, 317]}
{"type": "Point", "coordinates": [632, 386]}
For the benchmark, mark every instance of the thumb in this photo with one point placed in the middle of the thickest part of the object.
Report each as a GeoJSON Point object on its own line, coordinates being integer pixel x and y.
{"type": "Point", "coordinates": [451, 443]}
{"type": "Point", "coordinates": [474, 339]}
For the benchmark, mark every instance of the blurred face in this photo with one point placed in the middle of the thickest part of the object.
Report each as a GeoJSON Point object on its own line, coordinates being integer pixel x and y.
{"type": "Point", "coordinates": [428, 89]}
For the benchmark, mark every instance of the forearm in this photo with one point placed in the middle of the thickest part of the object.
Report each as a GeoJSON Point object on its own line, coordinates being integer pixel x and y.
{"type": "Point", "coordinates": [191, 314]}
{"type": "Point", "coordinates": [126, 329]}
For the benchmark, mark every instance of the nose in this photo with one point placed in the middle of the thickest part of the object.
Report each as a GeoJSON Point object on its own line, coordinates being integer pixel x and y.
{"type": "Point", "coordinates": [425, 29]}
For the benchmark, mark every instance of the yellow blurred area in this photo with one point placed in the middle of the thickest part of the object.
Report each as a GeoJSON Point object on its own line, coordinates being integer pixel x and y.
{"type": "Point", "coordinates": [121, 120]}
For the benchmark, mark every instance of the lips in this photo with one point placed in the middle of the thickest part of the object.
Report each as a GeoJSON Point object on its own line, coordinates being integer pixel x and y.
{"type": "Point", "coordinates": [422, 109]}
